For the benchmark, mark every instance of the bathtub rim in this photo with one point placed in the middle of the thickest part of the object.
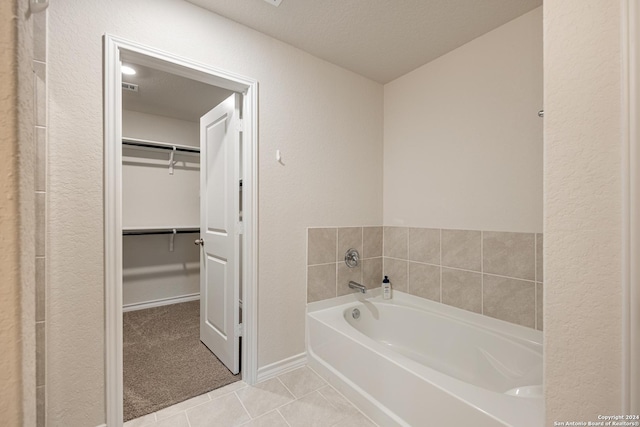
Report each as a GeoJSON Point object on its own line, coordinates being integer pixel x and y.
{"type": "Point", "coordinates": [528, 336]}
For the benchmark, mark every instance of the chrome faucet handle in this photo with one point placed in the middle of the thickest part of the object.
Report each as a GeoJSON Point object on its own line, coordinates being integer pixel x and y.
{"type": "Point", "coordinates": [352, 258]}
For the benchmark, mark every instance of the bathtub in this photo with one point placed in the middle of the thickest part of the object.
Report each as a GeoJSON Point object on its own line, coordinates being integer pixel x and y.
{"type": "Point", "coordinates": [413, 362]}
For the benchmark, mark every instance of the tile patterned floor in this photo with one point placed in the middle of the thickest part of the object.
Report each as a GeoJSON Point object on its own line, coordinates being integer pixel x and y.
{"type": "Point", "coordinates": [299, 398]}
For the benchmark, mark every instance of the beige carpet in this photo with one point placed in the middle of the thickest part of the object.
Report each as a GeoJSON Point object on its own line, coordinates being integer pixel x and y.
{"type": "Point", "coordinates": [164, 360]}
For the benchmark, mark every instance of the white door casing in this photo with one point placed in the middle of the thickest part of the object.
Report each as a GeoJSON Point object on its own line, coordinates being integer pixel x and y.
{"type": "Point", "coordinates": [115, 49]}
{"type": "Point", "coordinates": [220, 231]}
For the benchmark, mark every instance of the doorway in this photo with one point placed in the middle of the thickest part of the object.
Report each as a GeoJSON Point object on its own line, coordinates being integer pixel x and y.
{"type": "Point", "coordinates": [173, 234]}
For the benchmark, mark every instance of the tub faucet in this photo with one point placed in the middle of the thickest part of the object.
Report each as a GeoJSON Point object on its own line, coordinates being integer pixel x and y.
{"type": "Point", "coordinates": [357, 286]}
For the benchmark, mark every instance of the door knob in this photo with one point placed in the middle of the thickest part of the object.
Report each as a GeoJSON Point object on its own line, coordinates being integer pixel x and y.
{"type": "Point", "coordinates": [199, 242]}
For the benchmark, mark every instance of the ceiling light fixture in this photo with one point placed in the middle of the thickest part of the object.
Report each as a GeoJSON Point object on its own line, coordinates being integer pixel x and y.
{"type": "Point", "coordinates": [275, 3]}
{"type": "Point", "coordinates": [127, 70]}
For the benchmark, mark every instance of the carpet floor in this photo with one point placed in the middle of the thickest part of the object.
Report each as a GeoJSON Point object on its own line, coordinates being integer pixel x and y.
{"type": "Point", "coordinates": [164, 360]}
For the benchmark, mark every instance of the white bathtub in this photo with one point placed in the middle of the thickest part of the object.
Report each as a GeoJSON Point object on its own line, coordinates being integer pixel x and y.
{"type": "Point", "coordinates": [413, 362]}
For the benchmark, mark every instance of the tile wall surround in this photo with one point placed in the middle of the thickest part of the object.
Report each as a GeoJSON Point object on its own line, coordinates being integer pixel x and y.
{"type": "Point", "coordinates": [327, 274]}
{"type": "Point", "coordinates": [39, 61]}
{"type": "Point", "coordinates": [498, 274]}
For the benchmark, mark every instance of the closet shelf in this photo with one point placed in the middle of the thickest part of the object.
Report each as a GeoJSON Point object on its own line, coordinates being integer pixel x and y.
{"type": "Point", "coordinates": [131, 231]}
{"type": "Point", "coordinates": [144, 143]}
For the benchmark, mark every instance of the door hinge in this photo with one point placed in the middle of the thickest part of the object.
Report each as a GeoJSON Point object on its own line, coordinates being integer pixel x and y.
{"type": "Point", "coordinates": [240, 228]}
{"type": "Point", "coordinates": [240, 125]}
{"type": "Point", "coordinates": [239, 329]}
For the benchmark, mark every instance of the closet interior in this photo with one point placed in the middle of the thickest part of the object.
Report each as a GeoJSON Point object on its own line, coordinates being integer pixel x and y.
{"type": "Point", "coordinates": [164, 360]}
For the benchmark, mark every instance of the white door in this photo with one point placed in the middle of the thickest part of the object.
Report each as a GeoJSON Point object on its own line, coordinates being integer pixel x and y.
{"type": "Point", "coordinates": [219, 230]}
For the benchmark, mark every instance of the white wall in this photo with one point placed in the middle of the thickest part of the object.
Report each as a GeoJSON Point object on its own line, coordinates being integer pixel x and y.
{"type": "Point", "coordinates": [159, 128]}
{"type": "Point", "coordinates": [583, 210]}
{"type": "Point", "coordinates": [151, 197]}
{"type": "Point", "coordinates": [326, 121]}
{"type": "Point", "coordinates": [11, 367]}
{"type": "Point", "coordinates": [462, 139]}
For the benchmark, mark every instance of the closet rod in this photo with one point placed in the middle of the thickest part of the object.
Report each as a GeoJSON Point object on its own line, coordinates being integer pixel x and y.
{"type": "Point", "coordinates": [159, 145]}
{"type": "Point", "coordinates": [142, 231]}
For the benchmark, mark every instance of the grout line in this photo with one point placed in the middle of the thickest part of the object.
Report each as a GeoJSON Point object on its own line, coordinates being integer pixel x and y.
{"type": "Point", "coordinates": [242, 404]}
{"type": "Point", "coordinates": [287, 388]}
{"type": "Point", "coordinates": [324, 263]}
{"type": "Point", "coordinates": [283, 417]}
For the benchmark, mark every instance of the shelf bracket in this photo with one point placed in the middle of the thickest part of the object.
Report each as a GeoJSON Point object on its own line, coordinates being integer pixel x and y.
{"type": "Point", "coordinates": [172, 237]}
{"type": "Point", "coordinates": [171, 161]}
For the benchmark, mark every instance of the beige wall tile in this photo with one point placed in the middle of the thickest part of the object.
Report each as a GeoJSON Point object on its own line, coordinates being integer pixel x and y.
{"type": "Point", "coordinates": [397, 271]}
{"type": "Point", "coordinates": [372, 272]}
{"type": "Point", "coordinates": [40, 224]}
{"type": "Point", "coordinates": [461, 249]}
{"type": "Point", "coordinates": [321, 282]}
{"type": "Point", "coordinates": [424, 245]}
{"type": "Point", "coordinates": [349, 237]}
{"type": "Point", "coordinates": [510, 299]}
{"type": "Point", "coordinates": [40, 353]}
{"type": "Point", "coordinates": [396, 242]}
{"type": "Point", "coordinates": [424, 281]}
{"type": "Point", "coordinates": [346, 274]}
{"type": "Point", "coordinates": [41, 159]}
{"type": "Point", "coordinates": [321, 245]}
{"type": "Point", "coordinates": [40, 289]}
{"type": "Point", "coordinates": [539, 258]}
{"type": "Point", "coordinates": [40, 406]}
{"type": "Point", "coordinates": [539, 305]}
{"type": "Point", "coordinates": [40, 70]}
{"type": "Point", "coordinates": [372, 242]}
{"type": "Point", "coordinates": [40, 36]}
{"type": "Point", "coordinates": [462, 289]}
{"type": "Point", "coordinates": [509, 254]}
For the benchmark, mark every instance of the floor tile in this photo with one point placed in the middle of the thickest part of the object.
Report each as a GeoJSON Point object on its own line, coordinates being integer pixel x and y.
{"type": "Point", "coordinates": [355, 420]}
{"type": "Point", "coordinates": [302, 381]}
{"type": "Point", "coordinates": [225, 411]}
{"type": "Point", "coordinates": [182, 406]}
{"type": "Point", "coordinates": [313, 410]}
{"type": "Point", "coordinates": [271, 419]}
{"type": "Point", "coordinates": [338, 400]}
{"type": "Point", "coordinates": [264, 397]}
{"type": "Point", "coordinates": [179, 420]}
{"type": "Point", "coordinates": [229, 388]}
{"type": "Point", "coordinates": [144, 420]}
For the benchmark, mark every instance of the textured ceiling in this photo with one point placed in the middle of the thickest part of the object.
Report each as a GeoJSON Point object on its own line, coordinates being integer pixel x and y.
{"type": "Point", "coordinates": [169, 95]}
{"type": "Point", "coordinates": [379, 39]}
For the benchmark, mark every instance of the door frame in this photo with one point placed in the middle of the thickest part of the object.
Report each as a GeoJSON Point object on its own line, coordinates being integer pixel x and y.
{"type": "Point", "coordinates": [116, 48]}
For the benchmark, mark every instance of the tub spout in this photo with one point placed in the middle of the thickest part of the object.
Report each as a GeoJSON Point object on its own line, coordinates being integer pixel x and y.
{"type": "Point", "coordinates": [357, 286]}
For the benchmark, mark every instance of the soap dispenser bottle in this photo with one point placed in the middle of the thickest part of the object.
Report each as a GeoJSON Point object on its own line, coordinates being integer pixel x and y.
{"type": "Point", "coordinates": [386, 288]}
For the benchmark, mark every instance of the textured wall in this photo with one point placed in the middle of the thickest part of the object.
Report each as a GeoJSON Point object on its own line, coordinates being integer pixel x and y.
{"type": "Point", "coordinates": [10, 356]}
{"type": "Point", "coordinates": [462, 139]}
{"type": "Point", "coordinates": [326, 121]}
{"type": "Point", "coordinates": [582, 219]}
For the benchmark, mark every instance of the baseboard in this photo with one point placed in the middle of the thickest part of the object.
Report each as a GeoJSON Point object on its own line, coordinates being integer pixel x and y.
{"type": "Point", "coordinates": [102, 425]}
{"type": "Point", "coordinates": [281, 366]}
{"type": "Point", "coordinates": [160, 302]}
